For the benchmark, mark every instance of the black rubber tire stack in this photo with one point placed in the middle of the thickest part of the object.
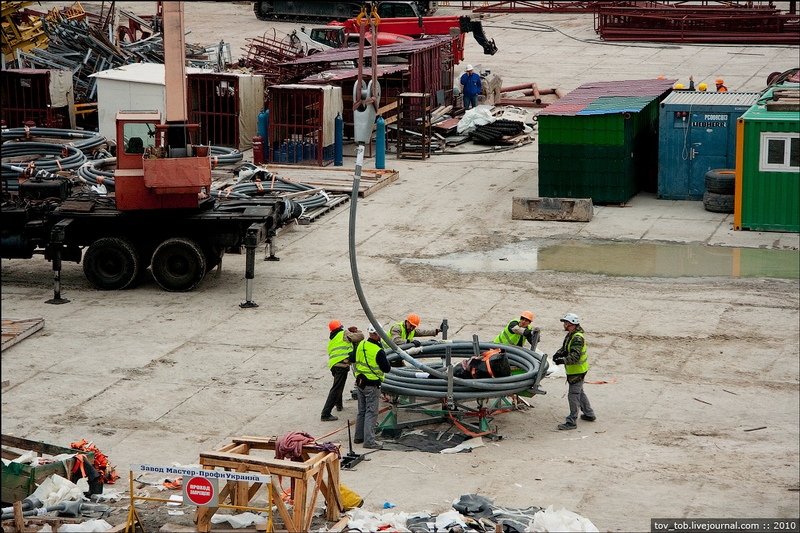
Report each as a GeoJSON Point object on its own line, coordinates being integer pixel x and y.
{"type": "Point", "coordinates": [720, 189]}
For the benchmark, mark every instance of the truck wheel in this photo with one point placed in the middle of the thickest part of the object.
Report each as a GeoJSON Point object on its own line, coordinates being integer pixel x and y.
{"type": "Point", "coordinates": [178, 264]}
{"type": "Point", "coordinates": [718, 203]}
{"type": "Point", "coordinates": [721, 181]}
{"type": "Point", "coordinates": [111, 263]}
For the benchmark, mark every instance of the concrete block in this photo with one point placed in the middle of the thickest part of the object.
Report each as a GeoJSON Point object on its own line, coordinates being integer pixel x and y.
{"type": "Point", "coordinates": [569, 209]}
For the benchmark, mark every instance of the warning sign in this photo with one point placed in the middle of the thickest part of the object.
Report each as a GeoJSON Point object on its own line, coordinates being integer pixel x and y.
{"type": "Point", "coordinates": [201, 492]}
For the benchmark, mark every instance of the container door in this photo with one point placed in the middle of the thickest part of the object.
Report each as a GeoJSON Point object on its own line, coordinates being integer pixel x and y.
{"type": "Point", "coordinates": [709, 147]}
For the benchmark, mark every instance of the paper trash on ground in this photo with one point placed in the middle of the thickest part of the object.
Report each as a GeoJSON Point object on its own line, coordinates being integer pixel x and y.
{"type": "Point", "coordinates": [563, 520]}
{"type": "Point", "coordinates": [90, 526]}
{"type": "Point", "coordinates": [469, 444]}
{"type": "Point", "coordinates": [367, 521]}
{"type": "Point", "coordinates": [239, 521]}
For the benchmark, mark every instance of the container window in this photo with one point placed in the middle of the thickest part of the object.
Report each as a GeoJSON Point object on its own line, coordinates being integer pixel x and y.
{"type": "Point", "coordinates": [780, 152]}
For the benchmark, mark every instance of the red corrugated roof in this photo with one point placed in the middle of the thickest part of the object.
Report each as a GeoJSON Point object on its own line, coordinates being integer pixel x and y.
{"type": "Point", "coordinates": [587, 93]}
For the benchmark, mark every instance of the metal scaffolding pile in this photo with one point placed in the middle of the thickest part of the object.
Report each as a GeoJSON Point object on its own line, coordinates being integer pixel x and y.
{"type": "Point", "coordinates": [697, 24]}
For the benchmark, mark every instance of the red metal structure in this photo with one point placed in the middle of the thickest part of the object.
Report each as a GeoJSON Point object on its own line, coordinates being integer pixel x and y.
{"type": "Point", "coordinates": [155, 167]}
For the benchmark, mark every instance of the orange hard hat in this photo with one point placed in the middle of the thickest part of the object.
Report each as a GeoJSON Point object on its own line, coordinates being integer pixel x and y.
{"type": "Point", "coordinates": [413, 319]}
{"type": "Point", "coordinates": [661, 77]}
{"type": "Point", "coordinates": [334, 324]}
{"type": "Point", "coordinates": [527, 314]}
{"type": "Point", "coordinates": [720, 81]}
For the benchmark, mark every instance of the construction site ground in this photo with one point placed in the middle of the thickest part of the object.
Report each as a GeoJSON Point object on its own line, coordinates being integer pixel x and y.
{"type": "Point", "coordinates": [698, 409]}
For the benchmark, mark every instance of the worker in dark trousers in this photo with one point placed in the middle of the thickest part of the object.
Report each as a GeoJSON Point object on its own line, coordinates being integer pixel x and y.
{"type": "Point", "coordinates": [371, 365]}
{"type": "Point", "coordinates": [572, 355]}
{"type": "Point", "coordinates": [340, 347]}
{"type": "Point", "coordinates": [518, 331]}
{"type": "Point", "coordinates": [404, 332]}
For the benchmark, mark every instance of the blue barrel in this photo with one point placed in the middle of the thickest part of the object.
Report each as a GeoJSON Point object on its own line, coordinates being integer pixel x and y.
{"type": "Point", "coordinates": [263, 126]}
{"type": "Point", "coordinates": [380, 143]}
{"type": "Point", "coordinates": [338, 140]}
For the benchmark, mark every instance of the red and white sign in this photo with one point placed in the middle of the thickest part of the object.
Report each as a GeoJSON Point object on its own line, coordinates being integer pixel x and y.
{"type": "Point", "coordinates": [200, 491]}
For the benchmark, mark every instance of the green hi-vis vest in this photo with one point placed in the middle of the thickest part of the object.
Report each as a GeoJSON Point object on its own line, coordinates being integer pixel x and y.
{"type": "Point", "coordinates": [583, 364]}
{"type": "Point", "coordinates": [338, 349]}
{"type": "Point", "coordinates": [367, 361]}
{"type": "Point", "coordinates": [507, 337]}
{"type": "Point", "coordinates": [408, 337]}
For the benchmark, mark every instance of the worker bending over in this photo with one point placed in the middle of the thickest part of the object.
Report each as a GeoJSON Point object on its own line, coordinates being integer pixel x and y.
{"type": "Point", "coordinates": [404, 332]}
{"type": "Point", "coordinates": [340, 347]}
{"type": "Point", "coordinates": [518, 331]}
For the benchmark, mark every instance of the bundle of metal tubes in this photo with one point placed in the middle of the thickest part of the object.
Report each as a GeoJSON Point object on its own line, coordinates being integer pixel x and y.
{"type": "Point", "coordinates": [54, 158]}
{"type": "Point", "coordinates": [255, 181]}
{"type": "Point", "coordinates": [405, 380]}
{"type": "Point", "coordinates": [86, 141]}
{"type": "Point", "coordinates": [92, 172]}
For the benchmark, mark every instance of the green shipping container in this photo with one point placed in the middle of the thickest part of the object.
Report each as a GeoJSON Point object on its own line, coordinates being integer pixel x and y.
{"type": "Point", "coordinates": [768, 164]}
{"type": "Point", "coordinates": [601, 141]}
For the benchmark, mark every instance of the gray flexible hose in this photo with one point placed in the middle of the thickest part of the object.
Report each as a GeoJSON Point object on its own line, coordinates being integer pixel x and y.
{"type": "Point", "coordinates": [396, 380]}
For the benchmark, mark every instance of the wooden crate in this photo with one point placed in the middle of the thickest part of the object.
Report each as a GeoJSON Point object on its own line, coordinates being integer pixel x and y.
{"type": "Point", "coordinates": [20, 480]}
{"type": "Point", "coordinates": [318, 473]}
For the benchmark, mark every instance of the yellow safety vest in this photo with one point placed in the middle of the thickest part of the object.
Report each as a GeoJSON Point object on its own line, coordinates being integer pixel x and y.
{"type": "Point", "coordinates": [508, 337]}
{"type": "Point", "coordinates": [367, 361]}
{"type": "Point", "coordinates": [583, 363]}
{"type": "Point", "coordinates": [338, 349]}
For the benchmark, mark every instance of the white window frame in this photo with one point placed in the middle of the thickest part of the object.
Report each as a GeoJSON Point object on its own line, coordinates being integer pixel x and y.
{"type": "Point", "coordinates": [767, 136]}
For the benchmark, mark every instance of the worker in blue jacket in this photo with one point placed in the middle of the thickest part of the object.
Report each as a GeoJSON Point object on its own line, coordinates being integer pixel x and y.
{"type": "Point", "coordinates": [471, 82]}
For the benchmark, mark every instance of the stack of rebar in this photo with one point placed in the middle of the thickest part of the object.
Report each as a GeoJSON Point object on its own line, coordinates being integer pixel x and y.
{"type": "Point", "coordinates": [265, 55]}
{"type": "Point", "coordinates": [495, 132]}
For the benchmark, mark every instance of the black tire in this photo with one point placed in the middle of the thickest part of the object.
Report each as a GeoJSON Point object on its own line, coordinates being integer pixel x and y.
{"type": "Point", "coordinates": [721, 181]}
{"type": "Point", "coordinates": [178, 264]}
{"type": "Point", "coordinates": [718, 203]}
{"type": "Point", "coordinates": [111, 263]}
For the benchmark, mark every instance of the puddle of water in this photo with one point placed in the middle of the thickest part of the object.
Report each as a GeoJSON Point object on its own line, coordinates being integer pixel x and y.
{"type": "Point", "coordinates": [626, 259]}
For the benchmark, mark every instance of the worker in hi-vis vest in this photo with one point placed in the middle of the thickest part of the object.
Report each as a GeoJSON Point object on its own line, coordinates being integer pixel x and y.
{"type": "Point", "coordinates": [517, 331]}
{"type": "Point", "coordinates": [572, 355]}
{"type": "Point", "coordinates": [340, 347]}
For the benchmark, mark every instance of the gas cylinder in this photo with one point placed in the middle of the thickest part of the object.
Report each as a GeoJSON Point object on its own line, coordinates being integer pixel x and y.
{"type": "Point", "coordinates": [298, 149]}
{"type": "Point", "coordinates": [380, 144]}
{"type": "Point", "coordinates": [338, 140]}
{"type": "Point", "coordinates": [258, 150]}
{"type": "Point", "coordinates": [285, 151]}
{"type": "Point", "coordinates": [263, 125]}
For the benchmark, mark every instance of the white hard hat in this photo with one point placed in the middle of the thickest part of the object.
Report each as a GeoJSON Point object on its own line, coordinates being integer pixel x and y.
{"type": "Point", "coordinates": [469, 67]}
{"type": "Point", "coordinates": [371, 329]}
{"type": "Point", "coordinates": [572, 318]}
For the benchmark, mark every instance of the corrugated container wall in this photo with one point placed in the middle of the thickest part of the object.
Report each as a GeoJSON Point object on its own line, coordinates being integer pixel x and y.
{"type": "Point", "coordinates": [697, 133]}
{"type": "Point", "coordinates": [601, 140]}
{"type": "Point", "coordinates": [768, 179]}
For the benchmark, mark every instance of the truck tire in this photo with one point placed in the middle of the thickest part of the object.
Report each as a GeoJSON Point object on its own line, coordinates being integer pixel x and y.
{"type": "Point", "coordinates": [178, 264]}
{"type": "Point", "coordinates": [111, 263]}
{"type": "Point", "coordinates": [718, 203]}
{"type": "Point", "coordinates": [721, 181]}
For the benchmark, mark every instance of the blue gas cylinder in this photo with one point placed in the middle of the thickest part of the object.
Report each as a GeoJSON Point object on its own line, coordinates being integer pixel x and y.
{"type": "Point", "coordinates": [285, 151]}
{"type": "Point", "coordinates": [263, 126]}
{"type": "Point", "coordinates": [338, 140]}
{"type": "Point", "coordinates": [298, 150]}
{"type": "Point", "coordinates": [380, 144]}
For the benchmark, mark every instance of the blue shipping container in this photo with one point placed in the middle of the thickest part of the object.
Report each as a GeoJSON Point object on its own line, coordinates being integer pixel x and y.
{"type": "Point", "coordinates": [696, 133]}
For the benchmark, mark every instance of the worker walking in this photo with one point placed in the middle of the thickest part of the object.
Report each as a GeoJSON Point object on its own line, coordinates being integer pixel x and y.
{"type": "Point", "coordinates": [473, 86]}
{"type": "Point", "coordinates": [340, 348]}
{"type": "Point", "coordinates": [370, 367]}
{"type": "Point", "coordinates": [721, 86]}
{"type": "Point", "coordinates": [572, 355]}
{"type": "Point", "coordinates": [518, 331]}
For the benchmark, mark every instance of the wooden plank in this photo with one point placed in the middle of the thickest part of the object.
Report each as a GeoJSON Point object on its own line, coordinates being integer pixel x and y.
{"type": "Point", "coordinates": [336, 180]}
{"type": "Point", "coordinates": [233, 460]}
{"type": "Point", "coordinates": [311, 215]}
{"type": "Point", "coordinates": [16, 329]}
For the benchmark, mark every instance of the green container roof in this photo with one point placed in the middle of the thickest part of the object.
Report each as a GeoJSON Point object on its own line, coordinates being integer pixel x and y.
{"type": "Point", "coordinates": [610, 97]}
{"type": "Point", "coordinates": [760, 112]}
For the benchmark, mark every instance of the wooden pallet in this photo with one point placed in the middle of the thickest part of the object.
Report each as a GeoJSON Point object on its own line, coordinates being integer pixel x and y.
{"type": "Point", "coordinates": [313, 214]}
{"type": "Point", "coordinates": [337, 179]}
{"type": "Point", "coordinates": [16, 329]}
